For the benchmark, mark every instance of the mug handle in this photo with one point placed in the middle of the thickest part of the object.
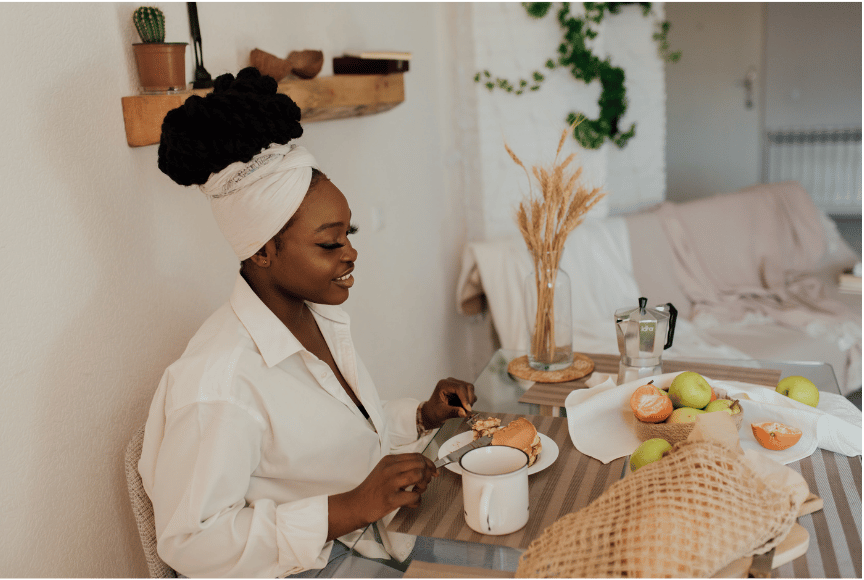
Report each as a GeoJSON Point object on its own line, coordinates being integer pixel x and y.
{"type": "Point", "coordinates": [485, 504]}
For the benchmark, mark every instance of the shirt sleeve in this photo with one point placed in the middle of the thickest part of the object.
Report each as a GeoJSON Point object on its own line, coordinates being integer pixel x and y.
{"type": "Point", "coordinates": [203, 523]}
{"type": "Point", "coordinates": [401, 417]}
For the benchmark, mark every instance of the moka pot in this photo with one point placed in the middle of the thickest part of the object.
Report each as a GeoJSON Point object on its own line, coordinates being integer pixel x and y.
{"type": "Point", "coordinates": [643, 334]}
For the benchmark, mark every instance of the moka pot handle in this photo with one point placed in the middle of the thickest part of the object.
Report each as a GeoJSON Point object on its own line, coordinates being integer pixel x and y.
{"type": "Point", "coordinates": [673, 316]}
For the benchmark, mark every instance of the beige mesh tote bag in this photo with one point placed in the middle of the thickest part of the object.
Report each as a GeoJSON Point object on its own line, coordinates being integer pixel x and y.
{"type": "Point", "coordinates": [690, 514]}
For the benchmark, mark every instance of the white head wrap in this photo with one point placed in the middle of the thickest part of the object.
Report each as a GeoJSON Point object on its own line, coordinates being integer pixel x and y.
{"type": "Point", "coordinates": [252, 201]}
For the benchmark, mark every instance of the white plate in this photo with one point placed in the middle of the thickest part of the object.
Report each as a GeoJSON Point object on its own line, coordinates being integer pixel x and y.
{"type": "Point", "coordinates": [548, 454]}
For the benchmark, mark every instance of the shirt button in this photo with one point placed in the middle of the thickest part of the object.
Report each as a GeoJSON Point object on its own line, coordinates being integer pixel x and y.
{"type": "Point", "coordinates": [323, 375]}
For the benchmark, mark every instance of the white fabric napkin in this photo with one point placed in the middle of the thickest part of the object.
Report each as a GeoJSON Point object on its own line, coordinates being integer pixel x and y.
{"type": "Point", "coordinates": [602, 425]}
{"type": "Point", "coordinates": [835, 425]}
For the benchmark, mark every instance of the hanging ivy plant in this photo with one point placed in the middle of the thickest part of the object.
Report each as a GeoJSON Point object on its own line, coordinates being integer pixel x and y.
{"type": "Point", "coordinates": [584, 66]}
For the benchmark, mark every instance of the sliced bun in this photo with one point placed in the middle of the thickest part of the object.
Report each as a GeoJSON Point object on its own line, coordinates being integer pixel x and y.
{"type": "Point", "coordinates": [521, 434]}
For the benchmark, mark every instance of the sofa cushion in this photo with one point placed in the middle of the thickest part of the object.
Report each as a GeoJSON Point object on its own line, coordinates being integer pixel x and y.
{"type": "Point", "coordinates": [775, 342]}
{"type": "Point", "coordinates": [653, 266]}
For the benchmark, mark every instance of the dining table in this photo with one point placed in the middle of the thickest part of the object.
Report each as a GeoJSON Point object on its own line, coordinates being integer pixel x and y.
{"type": "Point", "coordinates": [445, 547]}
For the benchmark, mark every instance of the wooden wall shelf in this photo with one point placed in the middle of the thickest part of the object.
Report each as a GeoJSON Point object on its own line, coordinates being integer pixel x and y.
{"type": "Point", "coordinates": [319, 99]}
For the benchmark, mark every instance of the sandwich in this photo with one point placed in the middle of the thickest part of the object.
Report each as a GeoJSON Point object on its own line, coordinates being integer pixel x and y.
{"type": "Point", "coordinates": [519, 433]}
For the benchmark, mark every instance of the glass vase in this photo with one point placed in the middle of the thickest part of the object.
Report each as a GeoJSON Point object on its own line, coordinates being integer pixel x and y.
{"type": "Point", "coordinates": [550, 324]}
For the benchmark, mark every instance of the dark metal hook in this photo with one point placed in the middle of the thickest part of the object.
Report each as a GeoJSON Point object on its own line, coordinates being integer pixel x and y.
{"type": "Point", "coordinates": [202, 77]}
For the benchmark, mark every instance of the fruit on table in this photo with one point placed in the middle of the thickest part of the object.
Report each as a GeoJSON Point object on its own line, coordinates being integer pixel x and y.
{"type": "Point", "coordinates": [730, 406]}
{"type": "Point", "coordinates": [775, 436]}
{"type": "Point", "coordinates": [650, 404]}
{"type": "Point", "coordinates": [648, 452]}
{"type": "Point", "coordinates": [690, 389]}
{"type": "Point", "coordinates": [799, 388]}
{"type": "Point", "coordinates": [684, 415]}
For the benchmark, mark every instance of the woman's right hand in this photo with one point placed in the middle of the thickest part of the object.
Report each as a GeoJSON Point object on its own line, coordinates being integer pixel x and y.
{"type": "Point", "coordinates": [396, 481]}
{"type": "Point", "coordinates": [386, 488]}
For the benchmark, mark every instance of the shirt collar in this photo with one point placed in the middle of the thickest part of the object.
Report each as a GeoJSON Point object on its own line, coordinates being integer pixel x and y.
{"type": "Point", "coordinates": [273, 339]}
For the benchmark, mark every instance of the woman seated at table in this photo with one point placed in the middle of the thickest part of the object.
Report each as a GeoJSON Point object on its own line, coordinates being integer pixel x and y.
{"type": "Point", "coordinates": [266, 441]}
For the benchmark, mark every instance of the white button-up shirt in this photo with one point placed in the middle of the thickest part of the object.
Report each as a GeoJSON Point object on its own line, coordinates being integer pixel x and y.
{"type": "Point", "coordinates": [249, 433]}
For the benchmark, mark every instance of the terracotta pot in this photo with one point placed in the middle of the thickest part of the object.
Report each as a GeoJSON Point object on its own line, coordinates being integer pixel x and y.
{"type": "Point", "coordinates": [161, 66]}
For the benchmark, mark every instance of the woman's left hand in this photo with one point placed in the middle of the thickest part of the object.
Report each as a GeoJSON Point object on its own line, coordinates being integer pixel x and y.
{"type": "Point", "coordinates": [451, 398]}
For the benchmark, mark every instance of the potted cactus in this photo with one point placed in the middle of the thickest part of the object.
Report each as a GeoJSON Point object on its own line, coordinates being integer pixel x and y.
{"type": "Point", "coordinates": [161, 65]}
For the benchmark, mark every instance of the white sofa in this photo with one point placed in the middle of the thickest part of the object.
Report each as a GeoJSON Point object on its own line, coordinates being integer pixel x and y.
{"type": "Point", "coordinates": [752, 273]}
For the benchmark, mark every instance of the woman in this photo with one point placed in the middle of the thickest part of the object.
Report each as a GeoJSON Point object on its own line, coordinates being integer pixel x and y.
{"type": "Point", "coordinates": [266, 441]}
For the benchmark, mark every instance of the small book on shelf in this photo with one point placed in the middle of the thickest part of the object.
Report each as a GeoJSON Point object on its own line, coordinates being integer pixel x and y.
{"type": "Point", "coordinates": [371, 63]}
{"type": "Point", "coordinates": [379, 54]}
{"type": "Point", "coordinates": [849, 282]}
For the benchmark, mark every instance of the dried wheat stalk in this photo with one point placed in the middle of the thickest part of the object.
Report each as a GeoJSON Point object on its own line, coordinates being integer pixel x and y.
{"type": "Point", "coordinates": [545, 221]}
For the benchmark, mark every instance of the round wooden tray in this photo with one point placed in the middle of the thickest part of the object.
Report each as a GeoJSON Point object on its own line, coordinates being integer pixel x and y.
{"type": "Point", "coordinates": [582, 365]}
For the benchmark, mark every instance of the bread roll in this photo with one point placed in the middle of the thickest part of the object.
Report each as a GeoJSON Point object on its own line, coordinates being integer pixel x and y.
{"type": "Point", "coordinates": [519, 433]}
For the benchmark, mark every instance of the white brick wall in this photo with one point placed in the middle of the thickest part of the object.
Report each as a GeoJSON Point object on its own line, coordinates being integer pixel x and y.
{"type": "Point", "coordinates": [510, 44]}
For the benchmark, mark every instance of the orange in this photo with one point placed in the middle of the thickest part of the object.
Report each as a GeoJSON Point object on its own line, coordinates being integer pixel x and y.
{"type": "Point", "coordinates": [650, 405]}
{"type": "Point", "coordinates": [776, 436]}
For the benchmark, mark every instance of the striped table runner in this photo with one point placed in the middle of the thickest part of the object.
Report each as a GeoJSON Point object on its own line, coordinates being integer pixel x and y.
{"type": "Point", "coordinates": [835, 530]}
{"type": "Point", "coordinates": [569, 484]}
{"type": "Point", "coordinates": [554, 394]}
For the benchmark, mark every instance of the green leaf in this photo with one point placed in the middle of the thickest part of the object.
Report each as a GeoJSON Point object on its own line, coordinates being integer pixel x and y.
{"type": "Point", "coordinates": [537, 9]}
{"type": "Point", "coordinates": [583, 65]}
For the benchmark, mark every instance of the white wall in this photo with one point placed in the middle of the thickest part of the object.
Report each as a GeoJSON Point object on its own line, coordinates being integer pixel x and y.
{"type": "Point", "coordinates": [108, 267]}
{"type": "Point", "coordinates": [510, 44]}
{"type": "Point", "coordinates": [812, 64]}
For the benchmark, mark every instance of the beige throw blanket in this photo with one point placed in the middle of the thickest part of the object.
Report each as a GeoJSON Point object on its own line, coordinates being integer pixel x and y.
{"type": "Point", "coordinates": [751, 255]}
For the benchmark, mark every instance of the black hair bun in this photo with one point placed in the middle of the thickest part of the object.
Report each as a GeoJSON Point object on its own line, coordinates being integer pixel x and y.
{"type": "Point", "coordinates": [242, 116]}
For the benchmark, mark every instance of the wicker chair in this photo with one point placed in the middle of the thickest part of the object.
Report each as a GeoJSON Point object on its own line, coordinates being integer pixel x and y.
{"type": "Point", "coordinates": [143, 510]}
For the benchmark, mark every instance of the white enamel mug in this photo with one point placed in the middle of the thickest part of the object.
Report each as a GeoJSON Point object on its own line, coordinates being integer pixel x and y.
{"type": "Point", "coordinates": [495, 489]}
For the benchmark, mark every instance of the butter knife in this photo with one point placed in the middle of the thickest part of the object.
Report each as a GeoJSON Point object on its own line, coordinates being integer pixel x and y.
{"type": "Point", "coordinates": [457, 455]}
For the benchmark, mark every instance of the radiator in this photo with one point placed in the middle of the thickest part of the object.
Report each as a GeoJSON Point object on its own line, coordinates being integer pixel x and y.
{"type": "Point", "coordinates": [827, 163]}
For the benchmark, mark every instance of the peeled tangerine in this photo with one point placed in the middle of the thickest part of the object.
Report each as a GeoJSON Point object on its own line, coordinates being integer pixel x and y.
{"type": "Point", "coordinates": [650, 404]}
{"type": "Point", "coordinates": [776, 436]}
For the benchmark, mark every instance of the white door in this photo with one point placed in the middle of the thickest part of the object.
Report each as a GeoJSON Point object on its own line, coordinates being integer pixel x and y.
{"type": "Point", "coordinates": [714, 123]}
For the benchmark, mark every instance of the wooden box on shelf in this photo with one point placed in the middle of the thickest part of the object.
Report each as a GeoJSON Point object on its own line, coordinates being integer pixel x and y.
{"type": "Point", "coordinates": [319, 99]}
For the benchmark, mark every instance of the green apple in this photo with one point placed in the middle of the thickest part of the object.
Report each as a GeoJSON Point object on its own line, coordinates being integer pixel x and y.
{"type": "Point", "coordinates": [648, 452]}
{"type": "Point", "coordinates": [690, 389]}
{"type": "Point", "coordinates": [684, 415]}
{"type": "Point", "coordinates": [727, 405]}
{"type": "Point", "coordinates": [659, 390]}
{"type": "Point", "coordinates": [799, 388]}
